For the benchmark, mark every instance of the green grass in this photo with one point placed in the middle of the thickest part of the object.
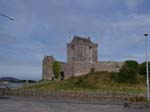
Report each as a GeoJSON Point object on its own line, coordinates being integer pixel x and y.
{"type": "Point", "coordinates": [93, 82]}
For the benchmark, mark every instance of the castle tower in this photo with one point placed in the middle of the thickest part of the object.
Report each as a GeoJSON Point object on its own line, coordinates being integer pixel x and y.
{"type": "Point", "coordinates": [82, 50]}
{"type": "Point", "coordinates": [47, 68]}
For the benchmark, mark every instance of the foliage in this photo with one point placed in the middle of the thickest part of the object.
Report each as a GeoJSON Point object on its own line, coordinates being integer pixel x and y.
{"type": "Point", "coordinates": [56, 69]}
{"type": "Point", "coordinates": [114, 76]}
{"type": "Point", "coordinates": [142, 68]}
{"type": "Point", "coordinates": [129, 71]}
{"type": "Point", "coordinates": [132, 64]}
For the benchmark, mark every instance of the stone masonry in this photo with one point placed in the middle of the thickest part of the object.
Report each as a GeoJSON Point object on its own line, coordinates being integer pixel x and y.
{"type": "Point", "coordinates": [82, 50]}
{"type": "Point", "coordinates": [82, 56]}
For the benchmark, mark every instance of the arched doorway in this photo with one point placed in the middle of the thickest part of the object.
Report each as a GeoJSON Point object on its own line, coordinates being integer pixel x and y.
{"type": "Point", "coordinates": [62, 76]}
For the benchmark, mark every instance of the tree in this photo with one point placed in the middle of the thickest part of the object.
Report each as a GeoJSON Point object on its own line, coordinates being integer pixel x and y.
{"type": "Point", "coordinates": [128, 72]}
{"type": "Point", "coordinates": [56, 69]}
{"type": "Point", "coordinates": [142, 68]}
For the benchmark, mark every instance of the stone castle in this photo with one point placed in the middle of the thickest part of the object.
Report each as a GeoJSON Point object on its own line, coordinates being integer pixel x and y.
{"type": "Point", "coordinates": [82, 57]}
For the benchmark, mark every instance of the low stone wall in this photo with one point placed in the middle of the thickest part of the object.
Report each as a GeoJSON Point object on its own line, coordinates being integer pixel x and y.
{"type": "Point", "coordinates": [4, 91]}
{"type": "Point", "coordinates": [96, 96]}
{"type": "Point", "coordinates": [110, 66]}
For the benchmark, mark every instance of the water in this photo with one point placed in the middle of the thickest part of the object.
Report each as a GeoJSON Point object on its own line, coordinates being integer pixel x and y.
{"type": "Point", "coordinates": [12, 85]}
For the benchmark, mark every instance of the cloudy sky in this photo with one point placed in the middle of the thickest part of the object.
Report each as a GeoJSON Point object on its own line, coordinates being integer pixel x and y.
{"type": "Point", "coordinates": [42, 27]}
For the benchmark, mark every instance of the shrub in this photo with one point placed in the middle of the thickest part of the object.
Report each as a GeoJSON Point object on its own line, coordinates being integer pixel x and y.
{"type": "Point", "coordinates": [128, 72]}
{"type": "Point", "coordinates": [142, 68]}
{"type": "Point", "coordinates": [114, 76]}
{"type": "Point", "coordinates": [56, 69]}
{"type": "Point", "coordinates": [132, 64]}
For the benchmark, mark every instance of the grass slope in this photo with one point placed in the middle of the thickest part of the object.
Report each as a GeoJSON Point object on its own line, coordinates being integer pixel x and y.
{"type": "Point", "coordinates": [92, 82]}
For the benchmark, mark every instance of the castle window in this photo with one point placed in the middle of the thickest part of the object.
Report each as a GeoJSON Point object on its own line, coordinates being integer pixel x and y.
{"type": "Point", "coordinates": [117, 66]}
{"type": "Point", "coordinates": [89, 59]}
{"type": "Point", "coordinates": [72, 47]}
{"type": "Point", "coordinates": [73, 58]}
{"type": "Point", "coordinates": [90, 47]}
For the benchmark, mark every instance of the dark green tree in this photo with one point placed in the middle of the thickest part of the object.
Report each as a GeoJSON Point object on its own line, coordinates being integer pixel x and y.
{"type": "Point", "coordinates": [56, 69]}
{"type": "Point", "coordinates": [129, 71]}
{"type": "Point", "coordinates": [142, 68]}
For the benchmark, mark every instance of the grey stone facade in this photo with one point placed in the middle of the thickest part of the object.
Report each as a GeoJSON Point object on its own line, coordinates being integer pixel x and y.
{"type": "Point", "coordinates": [82, 56]}
{"type": "Point", "coordinates": [82, 50]}
{"type": "Point", "coordinates": [47, 71]}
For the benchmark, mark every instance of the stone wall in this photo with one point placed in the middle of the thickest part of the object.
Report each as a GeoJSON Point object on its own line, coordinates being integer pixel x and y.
{"type": "Point", "coordinates": [67, 69]}
{"type": "Point", "coordinates": [78, 68]}
{"type": "Point", "coordinates": [110, 66]}
{"type": "Point", "coordinates": [81, 68]}
{"type": "Point", "coordinates": [72, 95]}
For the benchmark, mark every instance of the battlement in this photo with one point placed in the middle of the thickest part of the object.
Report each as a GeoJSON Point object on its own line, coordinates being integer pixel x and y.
{"type": "Point", "coordinates": [48, 58]}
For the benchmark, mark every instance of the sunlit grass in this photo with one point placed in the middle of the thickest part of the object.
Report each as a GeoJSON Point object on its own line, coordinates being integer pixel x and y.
{"type": "Point", "coordinates": [93, 82]}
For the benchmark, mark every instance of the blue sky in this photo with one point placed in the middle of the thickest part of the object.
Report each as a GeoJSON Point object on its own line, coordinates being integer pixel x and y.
{"type": "Point", "coordinates": [42, 27]}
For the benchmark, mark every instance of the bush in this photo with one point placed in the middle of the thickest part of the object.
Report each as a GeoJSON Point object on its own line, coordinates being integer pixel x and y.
{"type": "Point", "coordinates": [132, 64]}
{"type": "Point", "coordinates": [128, 72]}
{"type": "Point", "coordinates": [85, 82]}
{"type": "Point", "coordinates": [142, 68]}
{"type": "Point", "coordinates": [56, 69]}
{"type": "Point", "coordinates": [114, 76]}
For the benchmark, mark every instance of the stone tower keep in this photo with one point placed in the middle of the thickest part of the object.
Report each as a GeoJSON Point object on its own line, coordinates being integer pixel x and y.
{"type": "Point", "coordinates": [82, 50]}
{"type": "Point", "coordinates": [47, 68]}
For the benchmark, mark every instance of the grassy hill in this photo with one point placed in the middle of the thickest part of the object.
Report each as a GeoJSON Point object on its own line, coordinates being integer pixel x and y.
{"type": "Point", "coordinates": [92, 82]}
